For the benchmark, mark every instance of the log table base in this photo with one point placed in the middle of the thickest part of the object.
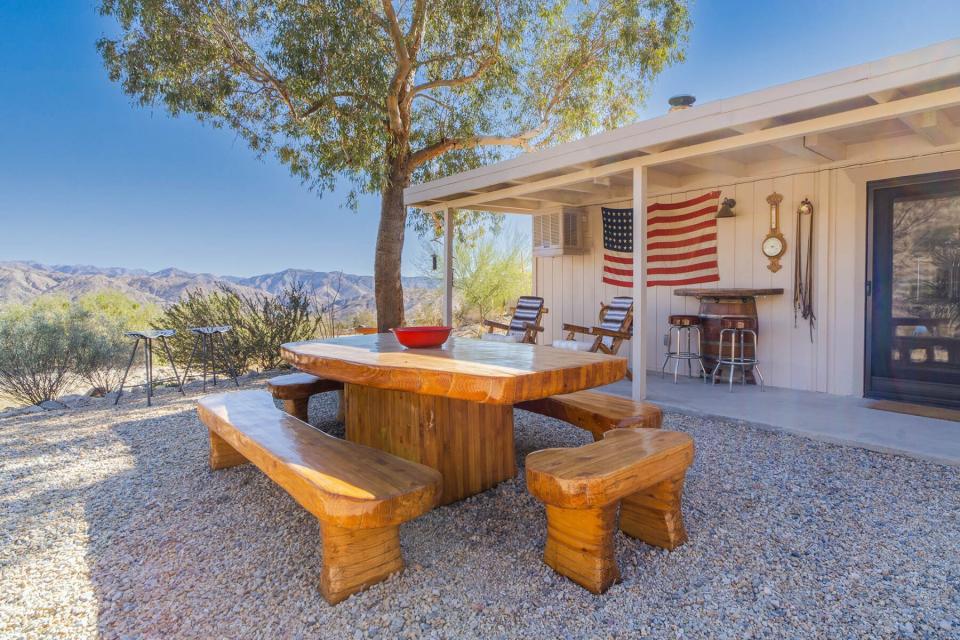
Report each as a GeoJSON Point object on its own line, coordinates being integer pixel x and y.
{"type": "Point", "coordinates": [469, 443]}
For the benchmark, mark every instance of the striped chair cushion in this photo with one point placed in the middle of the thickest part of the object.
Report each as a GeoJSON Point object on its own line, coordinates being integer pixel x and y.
{"type": "Point", "coordinates": [616, 315]}
{"type": "Point", "coordinates": [528, 309]}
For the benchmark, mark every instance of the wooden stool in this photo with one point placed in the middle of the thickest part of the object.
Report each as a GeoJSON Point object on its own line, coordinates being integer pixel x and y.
{"type": "Point", "coordinates": [737, 328]}
{"type": "Point", "coordinates": [295, 390]}
{"type": "Point", "coordinates": [680, 324]}
{"type": "Point", "coordinates": [642, 471]}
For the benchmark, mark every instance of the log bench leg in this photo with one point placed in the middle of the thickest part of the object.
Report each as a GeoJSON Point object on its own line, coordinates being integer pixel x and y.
{"type": "Point", "coordinates": [297, 407]}
{"type": "Point", "coordinates": [653, 515]}
{"type": "Point", "coordinates": [580, 545]}
{"type": "Point", "coordinates": [341, 408]}
{"type": "Point", "coordinates": [354, 559]}
{"type": "Point", "coordinates": [222, 455]}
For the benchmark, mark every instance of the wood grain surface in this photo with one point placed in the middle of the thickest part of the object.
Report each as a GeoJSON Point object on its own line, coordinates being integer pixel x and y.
{"type": "Point", "coordinates": [642, 470]}
{"type": "Point", "coordinates": [597, 412]}
{"type": "Point", "coordinates": [469, 443]}
{"type": "Point", "coordinates": [464, 369]}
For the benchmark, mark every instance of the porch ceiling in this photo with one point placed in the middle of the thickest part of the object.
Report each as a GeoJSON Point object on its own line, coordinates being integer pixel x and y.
{"type": "Point", "coordinates": [813, 122]}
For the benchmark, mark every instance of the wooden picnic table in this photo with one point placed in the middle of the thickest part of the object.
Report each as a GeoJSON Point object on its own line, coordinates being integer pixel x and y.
{"type": "Point", "coordinates": [450, 408]}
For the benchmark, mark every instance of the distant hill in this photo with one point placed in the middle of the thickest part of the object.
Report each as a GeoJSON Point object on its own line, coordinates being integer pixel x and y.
{"type": "Point", "coordinates": [24, 281]}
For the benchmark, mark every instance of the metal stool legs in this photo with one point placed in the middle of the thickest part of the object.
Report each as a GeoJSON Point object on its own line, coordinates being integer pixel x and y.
{"type": "Point", "coordinates": [733, 360]}
{"type": "Point", "coordinates": [148, 365]}
{"type": "Point", "coordinates": [679, 353]}
{"type": "Point", "coordinates": [208, 357]}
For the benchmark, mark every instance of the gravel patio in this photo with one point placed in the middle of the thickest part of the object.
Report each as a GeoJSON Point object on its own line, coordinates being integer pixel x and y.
{"type": "Point", "coordinates": [111, 525]}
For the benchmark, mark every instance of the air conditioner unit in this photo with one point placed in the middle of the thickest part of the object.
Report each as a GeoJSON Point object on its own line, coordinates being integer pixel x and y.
{"type": "Point", "coordinates": [560, 232]}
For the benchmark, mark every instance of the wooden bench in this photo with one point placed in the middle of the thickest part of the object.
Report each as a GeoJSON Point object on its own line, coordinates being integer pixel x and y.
{"type": "Point", "coordinates": [641, 470]}
{"type": "Point", "coordinates": [360, 495]}
{"type": "Point", "coordinates": [597, 412]}
{"type": "Point", "coordinates": [295, 390]}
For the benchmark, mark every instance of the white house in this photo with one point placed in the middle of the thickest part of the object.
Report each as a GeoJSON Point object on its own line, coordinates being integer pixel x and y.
{"type": "Point", "coordinates": [874, 149]}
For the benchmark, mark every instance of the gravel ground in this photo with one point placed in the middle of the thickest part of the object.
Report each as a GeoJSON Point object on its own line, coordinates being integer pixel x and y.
{"type": "Point", "coordinates": [112, 525]}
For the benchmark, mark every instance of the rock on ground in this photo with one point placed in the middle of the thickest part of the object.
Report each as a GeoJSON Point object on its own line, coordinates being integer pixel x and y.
{"type": "Point", "coordinates": [112, 526]}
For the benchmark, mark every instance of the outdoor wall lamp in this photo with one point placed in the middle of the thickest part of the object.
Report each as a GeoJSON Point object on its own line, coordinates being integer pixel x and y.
{"type": "Point", "coordinates": [726, 208]}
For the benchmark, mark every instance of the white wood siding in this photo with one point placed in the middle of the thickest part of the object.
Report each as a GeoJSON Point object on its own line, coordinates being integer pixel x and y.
{"type": "Point", "coordinates": [833, 362]}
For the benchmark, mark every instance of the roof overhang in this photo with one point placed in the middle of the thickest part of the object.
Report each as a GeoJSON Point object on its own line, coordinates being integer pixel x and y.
{"type": "Point", "coordinates": [813, 121]}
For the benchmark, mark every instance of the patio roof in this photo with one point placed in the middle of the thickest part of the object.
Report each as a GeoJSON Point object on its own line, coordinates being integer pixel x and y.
{"type": "Point", "coordinates": [822, 120]}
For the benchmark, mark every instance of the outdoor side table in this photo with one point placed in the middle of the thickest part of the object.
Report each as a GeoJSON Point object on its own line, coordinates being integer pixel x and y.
{"type": "Point", "coordinates": [205, 340]}
{"type": "Point", "coordinates": [148, 337]}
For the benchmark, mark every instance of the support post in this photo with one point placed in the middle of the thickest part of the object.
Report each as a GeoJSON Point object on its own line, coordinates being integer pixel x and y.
{"type": "Point", "coordinates": [638, 351]}
{"type": "Point", "coordinates": [448, 267]}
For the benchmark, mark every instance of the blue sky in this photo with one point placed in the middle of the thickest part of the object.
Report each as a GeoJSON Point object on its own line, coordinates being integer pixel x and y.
{"type": "Point", "coordinates": [86, 177]}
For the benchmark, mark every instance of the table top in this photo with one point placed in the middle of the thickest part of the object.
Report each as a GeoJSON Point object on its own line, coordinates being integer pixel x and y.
{"type": "Point", "coordinates": [465, 369]}
{"type": "Point", "coordinates": [727, 293]}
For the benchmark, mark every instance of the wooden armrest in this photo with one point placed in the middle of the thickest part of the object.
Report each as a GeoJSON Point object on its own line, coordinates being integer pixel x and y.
{"type": "Point", "coordinates": [575, 328]}
{"type": "Point", "coordinates": [496, 325]}
{"type": "Point", "coordinates": [600, 331]}
{"type": "Point", "coordinates": [529, 326]}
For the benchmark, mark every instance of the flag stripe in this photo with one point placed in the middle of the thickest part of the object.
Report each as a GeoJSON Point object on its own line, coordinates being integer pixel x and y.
{"type": "Point", "coordinates": [671, 244]}
{"type": "Point", "coordinates": [685, 268]}
{"type": "Point", "coordinates": [618, 272]}
{"type": "Point", "coordinates": [673, 206]}
{"type": "Point", "coordinates": [677, 231]}
{"type": "Point", "coordinates": [684, 281]}
{"type": "Point", "coordinates": [617, 283]}
{"type": "Point", "coordinates": [617, 259]}
{"type": "Point", "coordinates": [709, 210]}
{"type": "Point", "coordinates": [660, 257]}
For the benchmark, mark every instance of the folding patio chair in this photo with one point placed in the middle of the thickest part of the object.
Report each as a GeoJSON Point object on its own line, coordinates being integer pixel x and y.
{"type": "Point", "coordinates": [524, 323]}
{"type": "Point", "coordinates": [615, 325]}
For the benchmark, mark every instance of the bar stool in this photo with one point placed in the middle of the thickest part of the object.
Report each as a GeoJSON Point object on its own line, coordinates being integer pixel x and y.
{"type": "Point", "coordinates": [737, 328]}
{"type": "Point", "coordinates": [683, 324]}
{"type": "Point", "coordinates": [205, 340]}
{"type": "Point", "coordinates": [148, 337]}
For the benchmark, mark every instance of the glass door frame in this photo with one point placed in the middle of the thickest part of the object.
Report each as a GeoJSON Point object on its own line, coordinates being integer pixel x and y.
{"type": "Point", "coordinates": [881, 387]}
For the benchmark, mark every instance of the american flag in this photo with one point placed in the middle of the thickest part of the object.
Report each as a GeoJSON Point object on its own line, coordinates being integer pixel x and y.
{"type": "Point", "coordinates": [681, 243]}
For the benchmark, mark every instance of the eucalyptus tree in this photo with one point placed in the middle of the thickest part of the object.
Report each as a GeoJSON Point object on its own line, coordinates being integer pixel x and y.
{"type": "Point", "coordinates": [385, 93]}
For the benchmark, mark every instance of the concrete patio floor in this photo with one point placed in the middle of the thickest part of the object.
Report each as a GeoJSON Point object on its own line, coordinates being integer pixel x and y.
{"type": "Point", "coordinates": [837, 419]}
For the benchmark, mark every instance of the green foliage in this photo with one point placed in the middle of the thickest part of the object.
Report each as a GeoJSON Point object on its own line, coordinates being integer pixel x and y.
{"type": "Point", "coordinates": [52, 343]}
{"type": "Point", "coordinates": [260, 324]}
{"type": "Point", "coordinates": [37, 348]}
{"type": "Point", "coordinates": [316, 82]}
{"type": "Point", "coordinates": [489, 274]}
{"type": "Point", "coordinates": [386, 94]}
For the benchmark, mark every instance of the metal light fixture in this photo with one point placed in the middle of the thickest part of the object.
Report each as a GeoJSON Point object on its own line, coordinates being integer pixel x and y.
{"type": "Point", "coordinates": [726, 208]}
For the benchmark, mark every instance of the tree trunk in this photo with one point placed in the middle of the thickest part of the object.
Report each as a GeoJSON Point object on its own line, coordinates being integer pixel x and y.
{"type": "Point", "coordinates": [386, 268]}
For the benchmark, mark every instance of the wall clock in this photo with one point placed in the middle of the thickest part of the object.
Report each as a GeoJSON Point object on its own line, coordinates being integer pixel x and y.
{"type": "Point", "coordinates": [774, 245]}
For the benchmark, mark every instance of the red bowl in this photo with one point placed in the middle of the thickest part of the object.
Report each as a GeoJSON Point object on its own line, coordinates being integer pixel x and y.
{"type": "Point", "coordinates": [422, 337]}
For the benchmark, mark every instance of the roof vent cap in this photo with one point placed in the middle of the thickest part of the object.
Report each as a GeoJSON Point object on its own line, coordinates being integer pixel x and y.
{"type": "Point", "coordinates": [684, 101]}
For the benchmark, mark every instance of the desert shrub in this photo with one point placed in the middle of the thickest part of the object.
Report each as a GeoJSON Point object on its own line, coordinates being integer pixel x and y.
{"type": "Point", "coordinates": [104, 351]}
{"type": "Point", "coordinates": [38, 345]}
{"type": "Point", "coordinates": [261, 323]}
{"type": "Point", "coordinates": [489, 274]}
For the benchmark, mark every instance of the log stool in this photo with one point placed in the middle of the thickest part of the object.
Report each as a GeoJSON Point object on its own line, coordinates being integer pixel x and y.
{"type": "Point", "coordinates": [736, 329]}
{"type": "Point", "coordinates": [295, 390]}
{"type": "Point", "coordinates": [680, 325]}
{"type": "Point", "coordinates": [642, 471]}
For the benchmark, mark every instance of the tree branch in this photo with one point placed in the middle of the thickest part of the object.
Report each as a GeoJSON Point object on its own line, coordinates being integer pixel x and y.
{"type": "Point", "coordinates": [439, 148]}
{"type": "Point", "coordinates": [403, 68]}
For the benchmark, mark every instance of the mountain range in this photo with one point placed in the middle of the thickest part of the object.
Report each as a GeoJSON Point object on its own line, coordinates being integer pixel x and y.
{"type": "Point", "coordinates": [24, 281]}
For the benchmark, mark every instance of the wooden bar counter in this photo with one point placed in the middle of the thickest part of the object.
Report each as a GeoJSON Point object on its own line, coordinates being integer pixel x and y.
{"type": "Point", "coordinates": [450, 408]}
{"type": "Point", "coordinates": [716, 303]}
